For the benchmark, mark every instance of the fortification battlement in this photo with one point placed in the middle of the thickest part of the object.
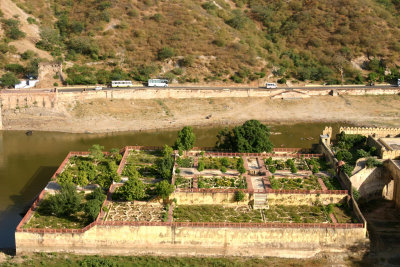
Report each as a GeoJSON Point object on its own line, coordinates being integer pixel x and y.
{"type": "Point", "coordinates": [375, 131]}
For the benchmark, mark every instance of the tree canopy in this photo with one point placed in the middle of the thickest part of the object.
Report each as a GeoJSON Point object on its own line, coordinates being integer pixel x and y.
{"type": "Point", "coordinates": [251, 137]}
{"type": "Point", "coordinates": [186, 139]}
{"type": "Point", "coordinates": [133, 189]}
{"type": "Point", "coordinates": [8, 80]}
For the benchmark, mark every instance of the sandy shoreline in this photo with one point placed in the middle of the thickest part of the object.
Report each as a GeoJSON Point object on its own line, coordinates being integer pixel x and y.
{"type": "Point", "coordinates": [107, 116]}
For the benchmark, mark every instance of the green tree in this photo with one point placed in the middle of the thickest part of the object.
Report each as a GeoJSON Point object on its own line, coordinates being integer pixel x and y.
{"type": "Point", "coordinates": [186, 138]}
{"type": "Point", "coordinates": [166, 163]}
{"type": "Point", "coordinates": [251, 137]}
{"type": "Point", "coordinates": [164, 189]}
{"type": "Point", "coordinates": [65, 203]}
{"type": "Point", "coordinates": [93, 205]}
{"type": "Point", "coordinates": [8, 80]}
{"type": "Point", "coordinates": [92, 208]}
{"type": "Point", "coordinates": [133, 189]}
{"type": "Point", "coordinates": [96, 152]}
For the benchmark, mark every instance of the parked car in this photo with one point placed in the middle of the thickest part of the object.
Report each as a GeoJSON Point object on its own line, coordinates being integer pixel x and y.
{"type": "Point", "coordinates": [97, 88]}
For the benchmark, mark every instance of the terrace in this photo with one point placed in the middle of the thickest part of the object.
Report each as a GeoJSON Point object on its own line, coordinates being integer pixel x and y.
{"type": "Point", "coordinates": [135, 211]}
{"type": "Point", "coordinates": [275, 214]}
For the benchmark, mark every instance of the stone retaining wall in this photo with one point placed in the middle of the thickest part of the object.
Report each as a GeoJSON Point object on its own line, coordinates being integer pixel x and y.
{"type": "Point", "coordinates": [180, 240]}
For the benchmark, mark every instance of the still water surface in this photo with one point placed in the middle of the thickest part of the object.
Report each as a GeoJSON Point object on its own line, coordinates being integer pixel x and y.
{"type": "Point", "coordinates": [27, 162]}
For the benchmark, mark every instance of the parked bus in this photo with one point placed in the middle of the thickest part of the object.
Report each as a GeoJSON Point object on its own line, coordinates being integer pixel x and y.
{"type": "Point", "coordinates": [157, 83]}
{"type": "Point", "coordinates": [398, 82]}
{"type": "Point", "coordinates": [121, 84]}
{"type": "Point", "coordinates": [271, 85]}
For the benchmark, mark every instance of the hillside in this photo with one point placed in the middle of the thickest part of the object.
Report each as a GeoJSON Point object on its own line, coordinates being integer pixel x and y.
{"type": "Point", "coordinates": [191, 41]}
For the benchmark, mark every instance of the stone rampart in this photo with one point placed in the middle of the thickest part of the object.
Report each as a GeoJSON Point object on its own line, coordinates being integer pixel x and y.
{"type": "Point", "coordinates": [376, 132]}
{"type": "Point", "coordinates": [191, 239]}
{"type": "Point", "coordinates": [392, 168]}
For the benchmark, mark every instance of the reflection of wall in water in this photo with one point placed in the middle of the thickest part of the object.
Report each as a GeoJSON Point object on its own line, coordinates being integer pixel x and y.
{"type": "Point", "coordinates": [2, 158]}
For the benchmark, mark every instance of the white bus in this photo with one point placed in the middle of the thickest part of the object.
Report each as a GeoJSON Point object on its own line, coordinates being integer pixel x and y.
{"type": "Point", "coordinates": [157, 82]}
{"type": "Point", "coordinates": [271, 85]}
{"type": "Point", "coordinates": [121, 84]}
{"type": "Point", "coordinates": [398, 82]}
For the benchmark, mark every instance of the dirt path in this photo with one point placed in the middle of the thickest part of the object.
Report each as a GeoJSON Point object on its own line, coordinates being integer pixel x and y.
{"type": "Point", "coordinates": [104, 115]}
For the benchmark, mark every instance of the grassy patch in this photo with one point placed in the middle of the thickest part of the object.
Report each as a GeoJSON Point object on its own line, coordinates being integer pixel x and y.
{"type": "Point", "coordinates": [308, 183]}
{"type": "Point", "coordinates": [222, 182]}
{"type": "Point", "coordinates": [184, 162]}
{"type": "Point", "coordinates": [217, 163]}
{"type": "Point", "coordinates": [215, 213]}
{"type": "Point", "coordinates": [141, 157]}
{"type": "Point", "coordinates": [63, 260]}
{"type": "Point", "coordinates": [343, 214]}
{"type": "Point", "coordinates": [77, 221]}
{"type": "Point", "coordinates": [331, 183]}
{"type": "Point", "coordinates": [297, 214]}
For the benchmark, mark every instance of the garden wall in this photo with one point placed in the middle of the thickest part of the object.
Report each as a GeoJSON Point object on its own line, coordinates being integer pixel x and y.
{"type": "Point", "coordinates": [304, 199]}
{"type": "Point", "coordinates": [189, 239]}
{"type": "Point", "coordinates": [212, 196]}
{"type": "Point", "coordinates": [274, 197]}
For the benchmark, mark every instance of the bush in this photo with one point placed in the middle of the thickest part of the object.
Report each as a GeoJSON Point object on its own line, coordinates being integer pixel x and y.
{"type": "Point", "coordinates": [315, 169]}
{"type": "Point", "coordinates": [372, 162]}
{"type": "Point", "coordinates": [186, 61]}
{"type": "Point", "coordinates": [238, 21]}
{"type": "Point", "coordinates": [92, 208]}
{"type": "Point", "coordinates": [223, 169]}
{"type": "Point", "coordinates": [28, 54]}
{"type": "Point", "coordinates": [165, 52]}
{"type": "Point", "coordinates": [272, 169]}
{"type": "Point", "coordinates": [164, 189]}
{"type": "Point", "coordinates": [239, 196]}
{"type": "Point", "coordinates": [200, 166]}
{"type": "Point", "coordinates": [65, 203]}
{"type": "Point", "coordinates": [356, 194]}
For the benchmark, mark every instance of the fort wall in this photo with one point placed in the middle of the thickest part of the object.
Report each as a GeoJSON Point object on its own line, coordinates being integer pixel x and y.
{"type": "Point", "coordinates": [376, 132]}
{"type": "Point", "coordinates": [181, 240]}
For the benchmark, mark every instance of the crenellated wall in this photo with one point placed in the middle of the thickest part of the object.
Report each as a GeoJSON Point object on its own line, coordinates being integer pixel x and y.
{"type": "Point", "coordinates": [366, 131]}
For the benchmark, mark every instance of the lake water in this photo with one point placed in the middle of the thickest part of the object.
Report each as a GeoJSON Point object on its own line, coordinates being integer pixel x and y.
{"type": "Point", "coordinates": [28, 162]}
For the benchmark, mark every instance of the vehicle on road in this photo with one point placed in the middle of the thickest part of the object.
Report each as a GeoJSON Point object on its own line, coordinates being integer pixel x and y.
{"type": "Point", "coordinates": [121, 84]}
{"type": "Point", "coordinates": [97, 88]}
{"type": "Point", "coordinates": [157, 83]}
{"type": "Point", "coordinates": [398, 82]}
{"type": "Point", "coordinates": [271, 85]}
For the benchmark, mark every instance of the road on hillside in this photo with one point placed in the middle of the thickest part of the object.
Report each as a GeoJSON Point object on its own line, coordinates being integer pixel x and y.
{"type": "Point", "coordinates": [314, 88]}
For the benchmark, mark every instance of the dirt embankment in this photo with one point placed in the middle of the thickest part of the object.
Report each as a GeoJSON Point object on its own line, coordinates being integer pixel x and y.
{"type": "Point", "coordinates": [104, 115]}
